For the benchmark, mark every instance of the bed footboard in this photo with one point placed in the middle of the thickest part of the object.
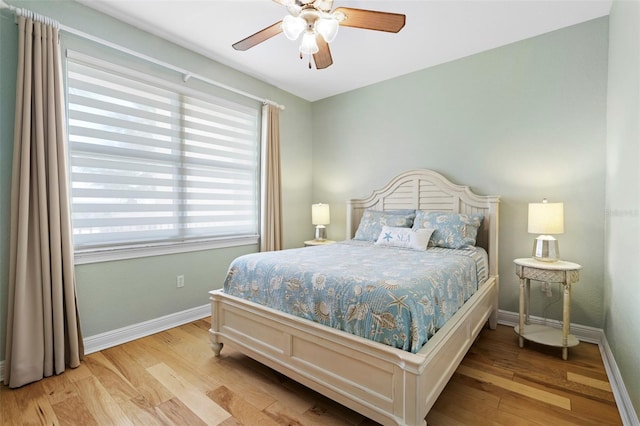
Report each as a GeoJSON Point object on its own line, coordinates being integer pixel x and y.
{"type": "Point", "coordinates": [388, 385]}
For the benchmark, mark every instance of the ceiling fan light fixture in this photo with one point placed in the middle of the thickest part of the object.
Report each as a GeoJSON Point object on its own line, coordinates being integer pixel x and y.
{"type": "Point", "coordinates": [327, 28]}
{"type": "Point", "coordinates": [293, 26]}
{"type": "Point", "coordinates": [309, 46]}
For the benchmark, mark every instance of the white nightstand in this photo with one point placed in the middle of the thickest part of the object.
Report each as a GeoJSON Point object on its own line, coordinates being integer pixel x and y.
{"type": "Point", "coordinates": [317, 242]}
{"type": "Point", "coordinates": [565, 273]}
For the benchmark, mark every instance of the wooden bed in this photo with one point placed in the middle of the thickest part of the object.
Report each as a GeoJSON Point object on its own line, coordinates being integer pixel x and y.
{"type": "Point", "coordinates": [388, 385]}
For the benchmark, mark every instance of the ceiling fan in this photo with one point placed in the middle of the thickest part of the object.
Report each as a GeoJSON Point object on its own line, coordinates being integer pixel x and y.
{"type": "Point", "coordinates": [319, 26]}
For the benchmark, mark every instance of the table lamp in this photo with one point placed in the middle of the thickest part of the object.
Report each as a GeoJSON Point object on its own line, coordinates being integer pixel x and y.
{"type": "Point", "coordinates": [320, 216]}
{"type": "Point", "coordinates": [546, 219]}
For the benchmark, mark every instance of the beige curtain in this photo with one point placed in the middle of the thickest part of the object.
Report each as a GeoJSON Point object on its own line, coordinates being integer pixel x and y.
{"type": "Point", "coordinates": [43, 331]}
{"type": "Point", "coordinates": [271, 217]}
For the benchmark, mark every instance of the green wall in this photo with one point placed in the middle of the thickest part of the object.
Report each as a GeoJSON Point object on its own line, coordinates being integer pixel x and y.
{"type": "Point", "coordinates": [622, 270]}
{"type": "Point", "coordinates": [116, 294]}
{"type": "Point", "coordinates": [524, 121]}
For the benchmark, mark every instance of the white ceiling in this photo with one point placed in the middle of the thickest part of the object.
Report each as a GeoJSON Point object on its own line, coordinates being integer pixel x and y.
{"type": "Point", "coordinates": [436, 31]}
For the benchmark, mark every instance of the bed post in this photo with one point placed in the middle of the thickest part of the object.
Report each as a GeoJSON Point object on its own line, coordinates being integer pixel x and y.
{"type": "Point", "coordinates": [349, 232]}
{"type": "Point", "coordinates": [493, 257]}
{"type": "Point", "coordinates": [216, 346]}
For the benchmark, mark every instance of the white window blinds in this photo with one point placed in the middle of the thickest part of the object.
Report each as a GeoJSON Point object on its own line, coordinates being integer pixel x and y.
{"type": "Point", "coordinates": [150, 164]}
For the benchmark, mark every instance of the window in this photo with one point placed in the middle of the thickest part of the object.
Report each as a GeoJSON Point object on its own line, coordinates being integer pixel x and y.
{"type": "Point", "coordinates": [152, 165]}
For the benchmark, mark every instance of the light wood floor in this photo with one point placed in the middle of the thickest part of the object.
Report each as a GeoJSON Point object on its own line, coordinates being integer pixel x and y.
{"type": "Point", "coordinates": [173, 378]}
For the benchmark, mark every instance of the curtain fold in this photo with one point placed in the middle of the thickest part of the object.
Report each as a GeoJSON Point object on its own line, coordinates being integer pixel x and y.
{"type": "Point", "coordinates": [43, 328]}
{"type": "Point", "coordinates": [271, 211]}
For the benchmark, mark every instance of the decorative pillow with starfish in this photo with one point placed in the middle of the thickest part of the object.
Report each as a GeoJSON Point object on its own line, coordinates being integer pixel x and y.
{"type": "Point", "coordinates": [404, 237]}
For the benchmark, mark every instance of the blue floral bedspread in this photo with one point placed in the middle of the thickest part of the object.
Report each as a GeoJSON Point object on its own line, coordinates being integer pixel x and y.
{"type": "Point", "coordinates": [394, 296]}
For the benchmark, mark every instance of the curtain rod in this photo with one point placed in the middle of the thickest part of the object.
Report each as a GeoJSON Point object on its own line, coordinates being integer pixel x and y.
{"type": "Point", "coordinates": [186, 74]}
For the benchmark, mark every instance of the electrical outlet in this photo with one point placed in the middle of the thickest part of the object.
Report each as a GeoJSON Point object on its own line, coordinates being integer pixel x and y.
{"type": "Point", "coordinates": [180, 281]}
{"type": "Point", "coordinates": [546, 289]}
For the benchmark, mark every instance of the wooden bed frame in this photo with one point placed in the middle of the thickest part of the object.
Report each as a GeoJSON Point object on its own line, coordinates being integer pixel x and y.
{"type": "Point", "coordinates": [388, 385]}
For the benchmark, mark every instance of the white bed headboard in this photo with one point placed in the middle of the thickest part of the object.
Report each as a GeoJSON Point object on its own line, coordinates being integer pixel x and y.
{"type": "Point", "coordinates": [427, 190]}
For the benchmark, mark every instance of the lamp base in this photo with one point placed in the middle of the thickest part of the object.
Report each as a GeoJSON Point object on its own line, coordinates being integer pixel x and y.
{"type": "Point", "coordinates": [545, 249]}
{"type": "Point", "coordinates": [321, 233]}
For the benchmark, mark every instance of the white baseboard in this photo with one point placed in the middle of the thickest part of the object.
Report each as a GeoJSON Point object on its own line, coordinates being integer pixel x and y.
{"type": "Point", "coordinates": [582, 332]}
{"type": "Point", "coordinates": [136, 331]}
{"type": "Point", "coordinates": [591, 335]}
{"type": "Point", "coordinates": [627, 412]}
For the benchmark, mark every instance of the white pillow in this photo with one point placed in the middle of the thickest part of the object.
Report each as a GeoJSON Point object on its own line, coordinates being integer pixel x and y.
{"type": "Point", "coordinates": [404, 237]}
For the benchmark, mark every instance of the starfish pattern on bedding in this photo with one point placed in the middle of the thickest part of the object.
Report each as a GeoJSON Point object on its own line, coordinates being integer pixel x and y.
{"type": "Point", "coordinates": [398, 302]}
{"type": "Point", "coordinates": [387, 236]}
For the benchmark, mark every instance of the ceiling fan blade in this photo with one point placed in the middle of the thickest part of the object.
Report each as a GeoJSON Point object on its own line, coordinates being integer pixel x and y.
{"type": "Point", "coordinates": [371, 19]}
{"type": "Point", "coordinates": [259, 37]}
{"type": "Point", "coordinates": [323, 57]}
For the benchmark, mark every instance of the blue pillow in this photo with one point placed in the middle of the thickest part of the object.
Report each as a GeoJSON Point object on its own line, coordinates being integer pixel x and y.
{"type": "Point", "coordinates": [450, 230]}
{"type": "Point", "coordinates": [373, 220]}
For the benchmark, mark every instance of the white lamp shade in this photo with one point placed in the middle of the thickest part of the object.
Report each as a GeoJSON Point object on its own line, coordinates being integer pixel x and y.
{"type": "Point", "coordinates": [328, 28]}
{"type": "Point", "coordinates": [320, 214]}
{"type": "Point", "coordinates": [309, 46]}
{"type": "Point", "coordinates": [293, 26]}
{"type": "Point", "coordinates": [546, 218]}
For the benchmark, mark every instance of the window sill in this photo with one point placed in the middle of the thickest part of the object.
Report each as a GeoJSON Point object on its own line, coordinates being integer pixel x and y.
{"type": "Point", "coordinates": [83, 257]}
